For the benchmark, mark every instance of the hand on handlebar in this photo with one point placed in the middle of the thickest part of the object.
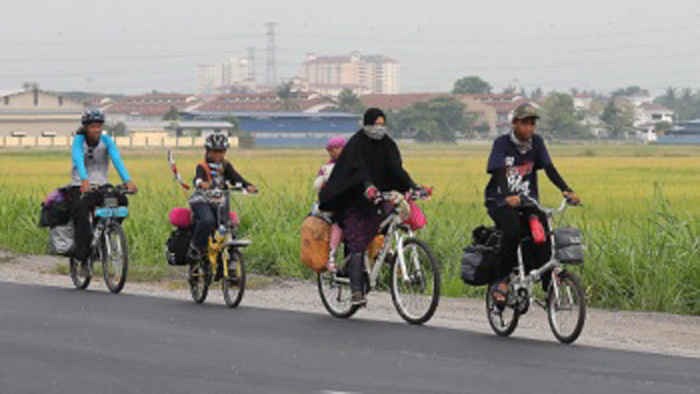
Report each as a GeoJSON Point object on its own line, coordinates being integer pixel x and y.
{"type": "Point", "coordinates": [131, 187]}
{"type": "Point", "coordinates": [372, 194]}
{"type": "Point", "coordinates": [513, 201]}
{"type": "Point", "coordinates": [84, 186]}
{"type": "Point", "coordinates": [571, 198]}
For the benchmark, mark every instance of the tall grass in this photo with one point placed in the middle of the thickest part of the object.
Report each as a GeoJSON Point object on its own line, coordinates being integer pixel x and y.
{"type": "Point", "coordinates": [640, 219]}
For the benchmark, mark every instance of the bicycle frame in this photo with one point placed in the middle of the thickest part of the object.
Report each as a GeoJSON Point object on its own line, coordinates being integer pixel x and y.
{"type": "Point", "coordinates": [223, 236]}
{"type": "Point", "coordinates": [396, 232]}
{"type": "Point", "coordinates": [528, 280]}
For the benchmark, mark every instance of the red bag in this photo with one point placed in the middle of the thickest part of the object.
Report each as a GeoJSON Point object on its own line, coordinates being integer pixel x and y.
{"type": "Point", "coordinates": [416, 219]}
{"type": "Point", "coordinates": [537, 230]}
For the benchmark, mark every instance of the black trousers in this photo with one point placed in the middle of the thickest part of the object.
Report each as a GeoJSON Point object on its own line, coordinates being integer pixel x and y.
{"type": "Point", "coordinates": [82, 207]}
{"type": "Point", "coordinates": [514, 224]}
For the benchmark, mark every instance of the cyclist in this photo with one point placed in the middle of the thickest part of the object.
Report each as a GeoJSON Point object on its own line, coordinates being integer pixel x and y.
{"type": "Point", "coordinates": [513, 164]}
{"type": "Point", "coordinates": [91, 152]}
{"type": "Point", "coordinates": [213, 171]}
{"type": "Point", "coordinates": [369, 164]}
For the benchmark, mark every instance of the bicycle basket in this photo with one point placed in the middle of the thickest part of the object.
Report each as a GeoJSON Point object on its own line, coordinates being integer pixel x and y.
{"type": "Point", "coordinates": [568, 244]}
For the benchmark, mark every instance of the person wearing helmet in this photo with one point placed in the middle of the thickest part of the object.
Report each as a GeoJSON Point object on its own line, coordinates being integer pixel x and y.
{"type": "Point", "coordinates": [513, 164]}
{"type": "Point", "coordinates": [213, 171]}
{"type": "Point", "coordinates": [91, 153]}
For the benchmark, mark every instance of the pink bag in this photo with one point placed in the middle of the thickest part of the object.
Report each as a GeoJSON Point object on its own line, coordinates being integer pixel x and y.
{"type": "Point", "coordinates": [180, 217]}
{"type": "Point", "coordinates": [234, 218]}
{"type": "Point", "coordinates": [416, 220]}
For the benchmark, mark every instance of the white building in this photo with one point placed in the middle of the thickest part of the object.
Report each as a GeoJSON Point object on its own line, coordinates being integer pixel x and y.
{"type": "Point", "coordinates": [650, 113]}
{"type": "Point", "coordinates": [234, 73]}
{"type": "Point", "coordinates": [209, 77]}
{"type": "Point", "coordinates": [361, 74]}
{"type": "Point", "coordinates": [35, 113]}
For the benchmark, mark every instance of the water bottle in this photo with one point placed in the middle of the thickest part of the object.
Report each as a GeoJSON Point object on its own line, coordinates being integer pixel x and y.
{"type": "Point", "coordinates": [537, 230]}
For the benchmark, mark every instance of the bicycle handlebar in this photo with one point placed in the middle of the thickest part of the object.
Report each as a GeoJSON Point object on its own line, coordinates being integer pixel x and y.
{"type": "Point", "coordinates": [565, 202]}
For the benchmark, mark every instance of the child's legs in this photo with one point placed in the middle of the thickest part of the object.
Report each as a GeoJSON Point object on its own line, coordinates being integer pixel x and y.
{"type": "Point", "coordinates": [205, 221]}
{"type": "Point", "coordinates": [336, 236]}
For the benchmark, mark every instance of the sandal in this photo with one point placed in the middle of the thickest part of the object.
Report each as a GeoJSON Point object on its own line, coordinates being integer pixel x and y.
{"type": "Point", "coordinates": [499, 292]}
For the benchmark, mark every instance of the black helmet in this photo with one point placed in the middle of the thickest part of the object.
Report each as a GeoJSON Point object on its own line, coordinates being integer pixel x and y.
{"type": "Point", "coordinates": [216, 142]}
{"type": "Point", "coordinates": [93, 116]}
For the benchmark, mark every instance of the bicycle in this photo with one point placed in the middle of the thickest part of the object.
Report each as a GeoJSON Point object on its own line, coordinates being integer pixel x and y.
{"type": "Point", "coordinates": [415, 275]}
{"type": "Point", "coordinates": [223, 257]}
{"type": "Point", "coordinates": [109, 243]}
{"type": "Point", "coordinates": [564, 294]}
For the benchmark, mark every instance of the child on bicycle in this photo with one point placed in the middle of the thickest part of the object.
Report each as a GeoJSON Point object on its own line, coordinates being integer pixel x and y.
{"type": "Point", "coordinates": [334, 147]}
{"type": "Point", "coordinates": [213, 172]}
{"type": "Point", "coordinates": [513, 164]}
{"type": "Point", "coordinates": [91, 153]}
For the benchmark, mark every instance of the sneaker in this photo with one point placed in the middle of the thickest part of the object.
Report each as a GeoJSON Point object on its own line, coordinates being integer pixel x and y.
{"type": "Point", "coordinates": [358, 299]}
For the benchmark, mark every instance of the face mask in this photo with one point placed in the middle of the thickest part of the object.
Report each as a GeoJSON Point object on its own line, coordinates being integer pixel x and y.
{"type": "Point", "coordinates": [376, 132]}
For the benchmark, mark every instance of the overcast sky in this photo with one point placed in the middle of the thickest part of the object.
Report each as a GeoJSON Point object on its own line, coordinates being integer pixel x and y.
{"type": "Point", "coordinates": [133, 46]}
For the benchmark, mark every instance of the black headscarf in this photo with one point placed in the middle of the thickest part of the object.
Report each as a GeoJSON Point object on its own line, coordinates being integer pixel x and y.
{"type": "Point", "coordinates": [371, 116]}
{"type": "Point", "coordinates": [363, 162]}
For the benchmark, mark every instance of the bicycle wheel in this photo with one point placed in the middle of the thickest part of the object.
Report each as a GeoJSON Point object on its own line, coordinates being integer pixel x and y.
{"type": "Point", "coordinates": [503, 318]}
{"type": "Point", "coordinates": [566, 307]}
{"type": "Point", "coordinates": [336, 295]}
{"type": "Point", "coordinates": [416, 292]}
{"type": "Point", "coordinates": [80, 273]}
{"type": "Point", "coordinates": [199, 279]}
{"type": "Point", "coordinates": [233, 287]}
{"type": "Point", "coordinates": [115, 257]}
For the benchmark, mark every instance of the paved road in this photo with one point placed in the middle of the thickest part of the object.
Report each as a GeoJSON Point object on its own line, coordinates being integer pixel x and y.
{"type": "Point", "coordinates": [55, 340]}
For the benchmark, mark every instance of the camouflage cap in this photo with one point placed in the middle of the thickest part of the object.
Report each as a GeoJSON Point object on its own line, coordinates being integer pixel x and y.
{"type": "Point", "coordinates": [524, 111]}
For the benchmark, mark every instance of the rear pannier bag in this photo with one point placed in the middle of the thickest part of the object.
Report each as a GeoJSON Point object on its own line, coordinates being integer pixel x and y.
{"type": "Point", "coordinates": [61, 239]}
{"type": "Point", "coordinates": [177, 245]}
{"type": "Point", "coordinates": [478, 265]}
{"type": "Point", "coordinates": [480, 260]}
{"type": "Point", "coordinates": [568, 245]}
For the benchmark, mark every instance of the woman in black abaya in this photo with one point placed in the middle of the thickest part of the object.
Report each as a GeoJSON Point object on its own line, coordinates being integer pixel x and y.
{"type": "Point", "coordinates": [370, 164]}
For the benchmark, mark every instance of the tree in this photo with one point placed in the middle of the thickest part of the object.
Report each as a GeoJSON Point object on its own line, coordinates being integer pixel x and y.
{"type": "Point", "coordinates": [663, 126]}
{"type": "Point", "coordinates": [618, 118]}
{"type": "Point", "coordinates": [537, 94]}
{"type": "Point", "coordinates": [173, 114]}
{"type": "Point", "coordinates": [288, 97]}
{"type": "Point", "coordinates": [230, 118]}
{"type": "Point", "coordinates": [439, 119]}
{"type": "Point", "coordinates": [684, 103]}
{"type": "Point", "coordinates": [246, 139]}
{"type": "Point", "coordinates": [471, 85]}
{"type": "Point", "coordinates": [626, 92]}
{"type": "Point", "coordinates": [349, 102]}
{"type": "Point", "coordinates": [560, 118]}
{"type": "Point", "coordinates": [510, 89]}
{"type": "Point", "coordinates": [118, 129]}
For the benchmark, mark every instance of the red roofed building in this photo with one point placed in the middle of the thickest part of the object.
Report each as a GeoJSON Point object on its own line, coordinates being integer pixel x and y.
{"type": "Point", "coordinates": [151, 106]}
{"type": "Point", "coordinates": [264, 102]}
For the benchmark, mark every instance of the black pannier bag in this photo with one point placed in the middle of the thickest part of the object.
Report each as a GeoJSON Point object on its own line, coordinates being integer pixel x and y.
{"type": "Point", "coordinates": [568, 245]}
{"type": "Point", "coordinates": [56, 214]}
{"type": "Point", "coordinates": [177, 245]}
{"type": "Point", "coordinates": [480, 260]}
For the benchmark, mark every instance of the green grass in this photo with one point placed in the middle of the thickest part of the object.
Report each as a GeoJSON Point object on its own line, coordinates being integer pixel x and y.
{"type": "Point", "coordinates": [640, 216]}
